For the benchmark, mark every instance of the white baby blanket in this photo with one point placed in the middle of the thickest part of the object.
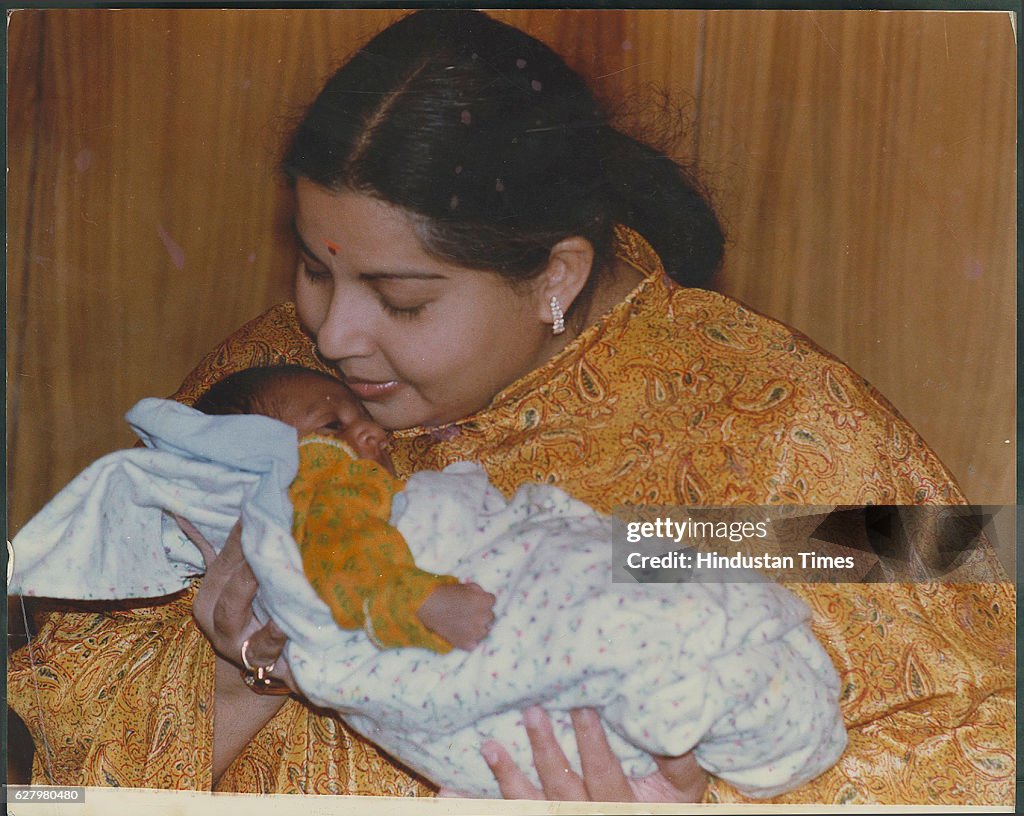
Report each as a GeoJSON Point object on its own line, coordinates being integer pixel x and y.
{"type": "Point", "coordinates": [729, 669]}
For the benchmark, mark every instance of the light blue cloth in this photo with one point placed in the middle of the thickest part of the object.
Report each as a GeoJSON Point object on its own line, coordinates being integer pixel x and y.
{"type": "Point", "coordinates": [251, 443]}
{"type": "Point", "coordinates": [109, 533]}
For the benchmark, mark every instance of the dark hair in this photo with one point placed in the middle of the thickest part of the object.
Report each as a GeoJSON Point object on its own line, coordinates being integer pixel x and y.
{"type": "Point", "coordinates": [239, 393]}
{"type": "Point", "coordinates": [499, 148]}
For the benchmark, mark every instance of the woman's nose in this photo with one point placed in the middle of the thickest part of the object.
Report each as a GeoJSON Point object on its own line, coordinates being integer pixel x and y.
{"type": "Point", "coordinates": [343, 333]}
{"type": "Point", "coordinates": [366, 437]}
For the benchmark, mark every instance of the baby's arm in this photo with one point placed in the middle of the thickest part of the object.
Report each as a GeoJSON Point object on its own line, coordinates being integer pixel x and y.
{"type": "Point", "coordinates": [362, 568]}
{"type": "Point", "coordinates": [461, 613]}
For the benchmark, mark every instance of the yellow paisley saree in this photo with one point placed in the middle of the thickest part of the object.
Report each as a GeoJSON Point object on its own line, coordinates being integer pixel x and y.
{"type": "Point", "coordinates": [677, 396]}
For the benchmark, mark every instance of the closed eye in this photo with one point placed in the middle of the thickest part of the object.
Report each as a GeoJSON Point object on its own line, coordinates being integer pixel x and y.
{"type": "Point", "coordinates": [402, 311]}
{"type": "Point", "coordinates": [316, 273]}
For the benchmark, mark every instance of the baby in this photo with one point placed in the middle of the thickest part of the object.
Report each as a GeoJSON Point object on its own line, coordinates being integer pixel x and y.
{"type": "Point", "coordinates": [730, 671]}
{"type": "Point", "coordinates": [341, 499]}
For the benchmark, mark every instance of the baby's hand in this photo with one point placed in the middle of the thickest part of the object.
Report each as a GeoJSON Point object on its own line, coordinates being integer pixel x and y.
{"type": "Point", "coordinates": [460, 613]}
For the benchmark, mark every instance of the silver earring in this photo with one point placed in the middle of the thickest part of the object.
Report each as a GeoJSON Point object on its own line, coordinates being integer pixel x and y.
{"type": "Point", "coordinates": [557, 316]}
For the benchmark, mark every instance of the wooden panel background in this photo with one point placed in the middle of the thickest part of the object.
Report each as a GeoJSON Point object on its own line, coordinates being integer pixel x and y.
{"type": "Point", "coordinates": [866, 167]}
{"type": "Point", "coordinates": [863, 163]}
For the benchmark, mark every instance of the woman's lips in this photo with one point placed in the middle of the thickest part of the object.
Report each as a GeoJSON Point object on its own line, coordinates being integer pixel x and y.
{"type": "Point", "coordinates": [370, 389]}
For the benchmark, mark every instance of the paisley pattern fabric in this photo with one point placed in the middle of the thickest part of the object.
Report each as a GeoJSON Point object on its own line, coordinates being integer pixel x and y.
{"type": "Point", "coordinates": [124, 698]}
{"type": "Point", "coordinates": [677, 396]}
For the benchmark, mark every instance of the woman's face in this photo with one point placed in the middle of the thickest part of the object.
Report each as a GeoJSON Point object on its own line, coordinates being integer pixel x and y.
{"type": "Point", "coordinates": [419, 341]}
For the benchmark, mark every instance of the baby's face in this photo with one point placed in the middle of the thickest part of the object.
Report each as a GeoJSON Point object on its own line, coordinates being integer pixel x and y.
{"type": "Point", "coordinates": [314, 404]}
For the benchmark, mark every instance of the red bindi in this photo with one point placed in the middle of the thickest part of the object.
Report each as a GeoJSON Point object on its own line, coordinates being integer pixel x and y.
{"type": "Point", "coordinates": [332, 247]}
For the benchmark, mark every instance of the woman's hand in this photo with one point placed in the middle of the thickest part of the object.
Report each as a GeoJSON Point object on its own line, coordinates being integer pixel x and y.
{"type": "Point", "coordinates": [223, 606]}
{"type": "Point", "coordinates": [678, 779]}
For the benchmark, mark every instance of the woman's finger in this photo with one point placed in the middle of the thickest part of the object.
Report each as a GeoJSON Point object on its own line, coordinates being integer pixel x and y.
{"type": "Point", "coordinates": [266, 645]}
{"type": "Point", "coordinates": [223, 604]}
{"type": "Point", "coordinates": [218, 575]}
{"type": "Point", "coordinates": [232, 613]}
{"type": "Point", "coordinates": [232, 554]}
{"type": "Point", "coordinates": [512, 782]}
{"type": "Point", "coordinates": [603, 776]}
{"type": "Point", "coordinates": [557, 778]}
{"type": "Point", "coordinates": [197, 538]}
{"type": "Point", "coordinates": [266, 648]}
{"type": "Point", "coordinates": [685, 775]}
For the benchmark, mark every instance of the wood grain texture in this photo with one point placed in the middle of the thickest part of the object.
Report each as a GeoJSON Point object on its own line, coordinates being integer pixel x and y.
{"type": "Point", "coordinates": [157, 213]}
{"type": "Point", "coordinates": [863, 163]}
{"type": "Point", "coordinates": [144, 143]}
{"type": "Point", "coordinates": [25, 39]}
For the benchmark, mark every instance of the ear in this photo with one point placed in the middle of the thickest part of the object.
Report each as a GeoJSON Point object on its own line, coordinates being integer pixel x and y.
{"type": "Point", "coordinates": [567, 272]}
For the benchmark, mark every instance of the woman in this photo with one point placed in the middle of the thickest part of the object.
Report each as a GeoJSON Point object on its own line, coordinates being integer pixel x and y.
{"type": "Point", "coordinates": [486, 262]}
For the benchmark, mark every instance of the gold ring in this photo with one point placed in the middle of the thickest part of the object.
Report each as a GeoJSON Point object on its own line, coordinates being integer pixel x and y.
{"type": "Point", "coordinates": [258, 678]}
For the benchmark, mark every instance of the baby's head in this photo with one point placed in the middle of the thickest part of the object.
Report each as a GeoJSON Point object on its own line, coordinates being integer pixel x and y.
{"type": "Point", "coordinates": [309, 401]}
